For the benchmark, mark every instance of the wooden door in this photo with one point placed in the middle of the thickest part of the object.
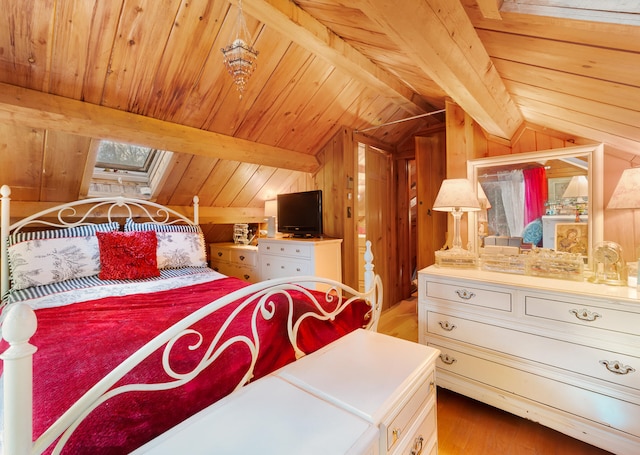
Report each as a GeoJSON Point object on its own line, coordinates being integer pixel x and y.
{"type": "Point", "coordinates": [380, 219]}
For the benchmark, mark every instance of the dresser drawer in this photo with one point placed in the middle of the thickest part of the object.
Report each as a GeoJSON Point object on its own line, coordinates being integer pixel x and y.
{"type": "Point", "coordinates": [244, 256]}
{"type": "Point", "coordinates": [224, 267]}
{"type": "Point", "coordinates": [581, 314]}
{"type": "Point", "coordinates": [287, 249]}
{"type": "Point", "coordinates": [594, 405]}
{"type": "Point", "coordinates": [471, 295]}
{"type": "Point", "coordinates": [614, 367]}
{"type": "Point", "coordinates": [220, 253]}
{"type": "Point", "coordinates": [246, 273]}
{"type": "Point", "coordinates": [397, 428]}
{"type": "Point", "coordinates": [424, 434]}
{"type": "Point", "coordinates": [275, 267]}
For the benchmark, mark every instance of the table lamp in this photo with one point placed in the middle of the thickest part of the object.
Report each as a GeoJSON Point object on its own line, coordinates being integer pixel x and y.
{"type": "Point", "coordinates": [578, 189]}
{"type": "Point", "coordinates": [456, 196]}
{"type": "Point", "coordinates": [270, 213]}
{"type": "Point", "coordinates": [626, 195]}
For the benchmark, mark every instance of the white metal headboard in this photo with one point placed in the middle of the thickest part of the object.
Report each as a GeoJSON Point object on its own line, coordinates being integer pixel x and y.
{"type": "Point", "coordinates": [80, 213]}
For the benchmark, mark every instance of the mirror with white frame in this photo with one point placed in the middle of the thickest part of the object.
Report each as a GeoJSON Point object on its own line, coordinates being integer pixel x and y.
{"type": "Point", "coordinates": [492, 177]}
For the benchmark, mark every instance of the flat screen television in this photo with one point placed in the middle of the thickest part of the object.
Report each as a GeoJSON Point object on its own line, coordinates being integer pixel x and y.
{"type": "Point", "coordinates": [300, 214]}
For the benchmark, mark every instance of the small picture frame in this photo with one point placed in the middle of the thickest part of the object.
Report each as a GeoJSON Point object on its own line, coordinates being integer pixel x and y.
{"type": "Point", "coordinates": [572, 238]}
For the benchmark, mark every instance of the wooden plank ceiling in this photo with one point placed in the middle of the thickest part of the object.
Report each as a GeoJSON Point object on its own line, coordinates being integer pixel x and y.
{"type": "Point", "coordinates": [75, 71]}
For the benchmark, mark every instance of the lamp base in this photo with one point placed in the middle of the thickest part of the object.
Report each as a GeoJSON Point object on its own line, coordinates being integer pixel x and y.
{"type": "Point", "coordinates": [456, 257]}
{"type": "Point", "coordinates": [271, 227]}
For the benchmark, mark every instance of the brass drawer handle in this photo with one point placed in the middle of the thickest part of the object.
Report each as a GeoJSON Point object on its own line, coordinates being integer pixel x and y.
{"type": "Point", "coordinates": [242, 258]}
{"type": "Point", "coordinates": [617, 367]}
{"type": "Point", "coordinates": [585, 315]}
{"type": "Point", "coordinates": [417, 446]}
{"type": "Point", "coordinates": [465, 294]}
{"type": "Point", "coordinates": [219, 254]}
{"type": "Point", "coordinates": [446, 325]}
{"type": "Point", "coordinates": [447, 359]}
{"type": "Point", "coordinates": [396, 435]}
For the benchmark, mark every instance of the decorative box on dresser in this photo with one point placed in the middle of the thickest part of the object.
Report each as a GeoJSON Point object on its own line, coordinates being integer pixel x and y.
{"type": "Point", "coordinates": [284, 257]}
{"type": "Point", "coordinates": [562, 353]}
{"type": "Point", "coordinates": [235, 260]}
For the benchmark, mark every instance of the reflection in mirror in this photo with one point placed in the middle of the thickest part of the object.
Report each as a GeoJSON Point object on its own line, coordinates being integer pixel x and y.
{"type": "Point", "coordinates": [536, 196]}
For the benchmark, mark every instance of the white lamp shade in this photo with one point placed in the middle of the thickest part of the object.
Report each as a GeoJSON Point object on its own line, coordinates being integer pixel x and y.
{"type": "Point", "coordinates": [627, 192]}
{"type": "Point", "coordinates": [578, 187]}
{"type": "Point", "coordinates": [456, 195]}
{"type": "Point", "coordinates": [271, 207]}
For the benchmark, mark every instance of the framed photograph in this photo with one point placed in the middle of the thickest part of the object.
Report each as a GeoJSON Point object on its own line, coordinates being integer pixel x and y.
{"type": "Point", "coordinates": [572, 238]}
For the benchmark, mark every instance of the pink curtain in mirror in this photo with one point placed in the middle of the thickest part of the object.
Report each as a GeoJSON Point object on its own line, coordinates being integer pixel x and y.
{"type": "Point", "coordinates": [535, 193]}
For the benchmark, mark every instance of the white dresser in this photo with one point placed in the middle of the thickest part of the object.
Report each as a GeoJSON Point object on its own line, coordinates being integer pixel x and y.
{"type": "Point", "coordinates": [562, 353]}
{"type": "Point", "coordinates": [236, 260]}
{"type": "Point", "coordinates": [284, 257]}
{"type": "Point", "coordinates": [366, 393]}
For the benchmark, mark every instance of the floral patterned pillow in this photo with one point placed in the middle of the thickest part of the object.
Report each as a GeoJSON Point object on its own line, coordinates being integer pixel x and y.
{"type": "Point", "coordinates": [51, 256]}
{"type": "Point", "coordinates": [179, 245]}
{"type": "Point", "coordinates": [127, 255]}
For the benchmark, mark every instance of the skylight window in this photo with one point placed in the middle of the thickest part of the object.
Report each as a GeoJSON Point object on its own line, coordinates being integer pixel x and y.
{"type": "Point", "coordinates": [127, 170]}
{"type": "Point", "coordinates": [124, 157]}
{"type": "Point", "coordinates": [611, 11]}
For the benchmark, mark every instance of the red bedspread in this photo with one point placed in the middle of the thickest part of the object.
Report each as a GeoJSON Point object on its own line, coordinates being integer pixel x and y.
{"type": "Point", "coordinates": [80, 343]}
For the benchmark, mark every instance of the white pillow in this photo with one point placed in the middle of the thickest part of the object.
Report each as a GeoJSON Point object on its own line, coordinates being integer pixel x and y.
{"type": "Point", "coordinates": [50, 256]}
{"type": "Point", "coordinates": [179, 245]}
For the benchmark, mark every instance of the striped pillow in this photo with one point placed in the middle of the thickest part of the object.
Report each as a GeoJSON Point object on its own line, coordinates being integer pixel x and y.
{"type": "Point", "coordinates": [179, 245]}
{"type": "Point", "coordinates": [49, 256]}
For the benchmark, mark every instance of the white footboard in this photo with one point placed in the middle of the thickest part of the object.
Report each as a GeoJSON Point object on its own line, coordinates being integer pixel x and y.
{"type": "Point", "coordinates": [20, 324]}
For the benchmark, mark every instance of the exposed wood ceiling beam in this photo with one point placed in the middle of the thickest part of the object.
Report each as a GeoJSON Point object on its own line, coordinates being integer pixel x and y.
{"type": "Point", "coordinates": [490, 9]}
{"type": "Point", "coordinates": [443, 42]}
{"type": "Point", "coordinates": [303, 29]}
{"type": "Point", "coordinates": [19, 106]}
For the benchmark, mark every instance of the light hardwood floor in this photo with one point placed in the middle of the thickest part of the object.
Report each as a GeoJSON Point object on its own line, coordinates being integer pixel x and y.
{"type": "Point", "coordinates": [468, 427]}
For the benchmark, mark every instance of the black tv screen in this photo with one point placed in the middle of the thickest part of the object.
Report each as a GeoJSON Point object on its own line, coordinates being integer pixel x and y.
{"type": "Point", "coordinates": [300, 213]}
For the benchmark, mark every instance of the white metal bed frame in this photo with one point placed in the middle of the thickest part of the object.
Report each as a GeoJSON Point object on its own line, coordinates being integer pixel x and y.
{"type": "Point", "coordinates": [20, 322]}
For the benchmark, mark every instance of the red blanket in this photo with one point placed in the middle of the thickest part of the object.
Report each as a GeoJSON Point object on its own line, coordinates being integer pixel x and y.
{"type": "Point", "coordinates": [80, 343]}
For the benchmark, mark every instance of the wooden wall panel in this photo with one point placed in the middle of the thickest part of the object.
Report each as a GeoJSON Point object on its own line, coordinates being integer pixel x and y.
{"type": "Point", "coordinates": [177, 169]}
{"type": "Point", "coordinates": [22, 171]}
{"type": "Point", "coordinates": [217, 181]}
{"type": "Point", "coordinates": [406, 245]}
{"type": "Point", "coordinates": [60, 181]}
{"type": "Point", "coordinates": [460, 148]}
{"type": "Point", "coordinates": [194, 177]}
{"type": "Point", "coordinates": [430, 171]}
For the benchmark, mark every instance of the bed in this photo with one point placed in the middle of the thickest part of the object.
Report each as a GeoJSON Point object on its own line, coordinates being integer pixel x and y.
{"type": "Point", "coordinates": [115, 330]}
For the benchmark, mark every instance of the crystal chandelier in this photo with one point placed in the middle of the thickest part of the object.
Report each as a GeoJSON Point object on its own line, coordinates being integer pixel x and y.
{"type": "Point", "coordinates": [239, 56]}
